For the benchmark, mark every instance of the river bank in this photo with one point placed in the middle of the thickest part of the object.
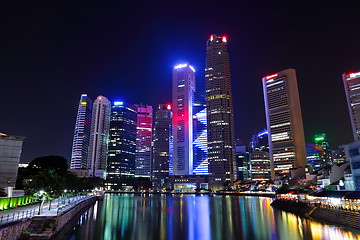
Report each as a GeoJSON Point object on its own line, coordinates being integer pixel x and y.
{"type": "Point", "coordinates": [337, 216]}
{"type": "Point", "coordinates": [44, 226]}
{"type": "Point", "coordinates": [251, 194]}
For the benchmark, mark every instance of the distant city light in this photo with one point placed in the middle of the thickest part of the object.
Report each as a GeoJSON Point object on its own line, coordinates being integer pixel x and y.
{"type": "Point", "coordinates": [262, 133]}
{"type": "Point", "coordinates": [352, 75]}
{"type": "Point", "coordinates": [180, 66]}
{"type": "Point", "coordinates": [224, 39]}
{"type": "Point", "coordinates": [99, 98]}
{"type": "Point", "coordinates": [319, 139]}
{"type": "Point", "coordinates": [83, 103]}
{"type": "Point", "coordinates": [168, 107]}
{"type": "Point", "coordinates": [117, 103]}
{"type": "Point", "coordinates": [271, 76]}
{"type": "Point", "coordinates": [211, 37]}
{"type": "Point", "coordinates": [184, 65]}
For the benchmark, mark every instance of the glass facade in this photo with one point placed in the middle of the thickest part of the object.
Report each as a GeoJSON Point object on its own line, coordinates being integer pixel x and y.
{"type": "Point", "coordinates": [80, 147]}
{"type": "Point", "coordinates": [143, 141]}
{"type": "Point", "coordinates": [162, 140]}
{"type": "Point", "coordinates": [200, 160]}
{"type": "Point", "coordinates": [122, 146]}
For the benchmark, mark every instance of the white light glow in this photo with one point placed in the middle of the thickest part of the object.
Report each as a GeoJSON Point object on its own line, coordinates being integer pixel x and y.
{"type": "Point", "coordinates": [180, 66]}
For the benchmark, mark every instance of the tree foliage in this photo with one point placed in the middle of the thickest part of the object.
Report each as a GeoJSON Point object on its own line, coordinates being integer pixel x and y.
{"type": "Point", "coordinates": [56, 163]}
{"type": "Point", "coordinates": [50, 174]}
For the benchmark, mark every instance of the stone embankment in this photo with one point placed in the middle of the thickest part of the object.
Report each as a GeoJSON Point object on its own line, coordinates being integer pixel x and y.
{"type": "Point", "coordinates": [337, 216]}
{"type": "Point", "coordinates": [44, 227]}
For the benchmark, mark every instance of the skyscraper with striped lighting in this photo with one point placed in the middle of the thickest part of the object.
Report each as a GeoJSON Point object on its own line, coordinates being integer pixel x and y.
{"type": "Point", "coordinates": [99, 136]}
{"type": "Point", "coordinates": [220, 116]}
{"type": "Point", "coordinates": [284, 122]}
{"type": "Point", "coordinates": [200, 159]}
{"type": "Point", "coordinates": [80, 147]}
{"type": "Point", "coordinates": [182, 119]}
{"type": "Point", "coordinates": [143, 141]}
{"type": "Point", "coordinates": [352, 90]}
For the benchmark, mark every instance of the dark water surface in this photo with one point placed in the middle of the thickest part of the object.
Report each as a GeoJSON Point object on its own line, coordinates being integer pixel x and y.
{"type": "Point", "coordinates": [130, 216]}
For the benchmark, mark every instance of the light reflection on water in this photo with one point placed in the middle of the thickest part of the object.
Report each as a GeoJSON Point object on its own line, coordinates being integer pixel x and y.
{"type": "Point", "coordinates": [128, 216]}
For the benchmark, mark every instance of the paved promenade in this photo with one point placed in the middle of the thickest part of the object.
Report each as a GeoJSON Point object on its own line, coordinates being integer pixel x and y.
{"type": "Point", "coordinates": [57, 206]}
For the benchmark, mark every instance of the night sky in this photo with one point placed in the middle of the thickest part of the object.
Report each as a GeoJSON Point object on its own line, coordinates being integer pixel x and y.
{"type": "Point", "coordinates": [50, 55]}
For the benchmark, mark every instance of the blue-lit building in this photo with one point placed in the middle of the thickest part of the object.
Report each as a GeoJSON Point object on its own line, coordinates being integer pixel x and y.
{"type": "Point", "coordinates": [80, 147]}
{"type": "Point", "coordinates": [352, 151]}
{"type": "Point", "coordinates": [260, 142]}
{"type": "Point", "coordinates": [242, 157]}
{"type": "Point", "coordinates": [200, 160]}
{"type": "Point", "coordinates": [122, 146]}
{"type": "Point", "coordinates": [315, 156]}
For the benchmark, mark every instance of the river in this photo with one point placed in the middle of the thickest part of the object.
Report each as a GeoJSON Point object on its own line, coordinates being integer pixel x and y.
{"type": "Point", "coordinates": [131, 216]}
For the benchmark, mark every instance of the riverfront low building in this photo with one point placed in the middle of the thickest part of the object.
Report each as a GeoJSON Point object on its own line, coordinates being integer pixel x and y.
{"type": "Point", "coordinates": [10, 151]}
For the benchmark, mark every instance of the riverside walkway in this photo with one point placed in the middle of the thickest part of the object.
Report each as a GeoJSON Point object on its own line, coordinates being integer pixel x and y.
{"type": "Point", "coordinates": [58, 206]}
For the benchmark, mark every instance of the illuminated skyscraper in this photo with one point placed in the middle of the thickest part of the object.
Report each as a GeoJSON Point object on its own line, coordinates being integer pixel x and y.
{"type": "Point", "coordinates": [321, 139]}
{"type": "Point", "coordinates": [161, 145]}
{"type": "Point", "coordinates": [220, 117]}
{"type": "Point", "coordinates": [315, 156]}
{"type": "Point", "coordinates": [284, 122]}
{"type": "Point", "coordinates": [200, 160]}
{"type": "Point", "coordinates": [182, 103]}
{"type": "Point", "coordinates": [260, 166]}
{"type": "Point", "coordinates": [143, 141]}
{"type": "Point", "coordinates": [260, 142]}
{"type": "Point", "coordinates": [352, 90]}
{"type": "Point", "coordinates": [99, 136]}
{"type": "Point", "coordinates": [80, 147]}
{"type": "Point", "coordinates": [122, 146]}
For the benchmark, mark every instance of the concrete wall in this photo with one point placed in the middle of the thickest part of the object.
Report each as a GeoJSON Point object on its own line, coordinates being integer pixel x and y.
{"type": "Point", "coordinates": [66, 217]}
{"type": "Point", "coordinates": [12, 232]}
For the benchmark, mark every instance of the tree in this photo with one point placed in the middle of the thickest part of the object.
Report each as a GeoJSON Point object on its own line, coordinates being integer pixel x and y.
{"type": "Point", "coordinates": [46, 163]}
{"type": "Point", "coordinates": [48, 181]}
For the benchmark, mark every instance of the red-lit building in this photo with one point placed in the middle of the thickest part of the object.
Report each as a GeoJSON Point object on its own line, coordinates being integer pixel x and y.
{"type": "Point", "coordinates": [143, 141]}
{"type": "Point", "coordinates": [182, 108]}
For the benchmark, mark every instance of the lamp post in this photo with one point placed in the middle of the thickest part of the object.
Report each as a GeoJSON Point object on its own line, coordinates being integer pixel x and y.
{"type": "Point", "coordinates": [40, 195]}
{"type": "Point", "coordinates": [65, 191]}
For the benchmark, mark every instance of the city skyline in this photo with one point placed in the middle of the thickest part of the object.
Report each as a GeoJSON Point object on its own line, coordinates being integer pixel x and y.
{"type": "Point", "coordinates": [65, 62]}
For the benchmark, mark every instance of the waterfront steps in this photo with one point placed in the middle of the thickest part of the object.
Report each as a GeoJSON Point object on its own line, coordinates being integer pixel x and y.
{"type": "Point", "coordinates": [343, 217]}
{"type": "Point", "coordinates": [337, 216]}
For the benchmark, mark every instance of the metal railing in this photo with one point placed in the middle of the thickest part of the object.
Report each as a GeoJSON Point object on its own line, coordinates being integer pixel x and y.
{"type": "Point", "coordinates": [4, 219]}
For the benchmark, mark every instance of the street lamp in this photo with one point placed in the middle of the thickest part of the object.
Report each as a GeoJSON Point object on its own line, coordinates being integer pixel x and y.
{"type": "Point", "coordinates": [40, 195]}
{"type": "Point", "coordinates": [65, 191]}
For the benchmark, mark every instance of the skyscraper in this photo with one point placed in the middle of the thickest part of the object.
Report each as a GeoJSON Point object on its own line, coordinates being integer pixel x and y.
{"type": "Point", "coordinates": [260, 166]}
{"type": "Point", "coordinates": [284, 122]}
{"type": "Point", "coordinates": [161, 145]}
{"type": "Point", "coordinates": [315, 156]}
{"type": "Point", "coordinates": [352, 90]}
{"type": "Point", "coordinates": [99, 136]}
{"type": "Point", "coordinates": [200, 160]}
{"type": "Point", "coordinates": [321, 139]}
{"type": "Point", "coordinates": [260, 142]}
{"type": "Point", "coordinates": [220, 117]}
{"type": "Point", "coordinates": [182, 106]}
{"type": "Point", "coordinates": [122, 146]}
{"type": "Point", "coordinates": [143, 141]}
{"type": "Point", "coordinates": [80, 147]}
